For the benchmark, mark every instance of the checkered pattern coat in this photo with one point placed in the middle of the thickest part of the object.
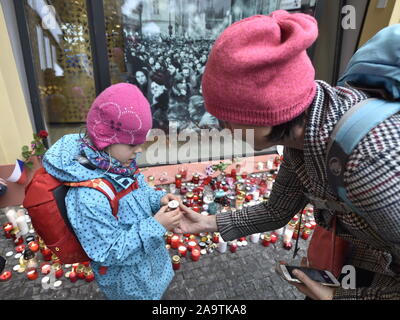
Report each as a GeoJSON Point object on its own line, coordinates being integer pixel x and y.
{"type": "Point", "coordinates": [372, 180]}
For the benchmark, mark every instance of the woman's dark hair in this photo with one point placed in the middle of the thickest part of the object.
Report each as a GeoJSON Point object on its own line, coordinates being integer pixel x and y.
{"type": "Point", "coordinates": [285, 130]}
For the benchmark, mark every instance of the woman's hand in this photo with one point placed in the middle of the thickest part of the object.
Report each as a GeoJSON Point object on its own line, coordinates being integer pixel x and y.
{"type": "Point", "coordinates": [193, 222]}
{"type": "Point", "coordinates": [169, 197]}
{"type": "Point", "coordinates": [169, 219]}
{"type": "Point", "coordinates": [311, 288]}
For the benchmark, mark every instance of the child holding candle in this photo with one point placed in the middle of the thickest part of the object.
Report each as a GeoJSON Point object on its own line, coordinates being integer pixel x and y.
{"type": "Point", "coordinates": [129, 258]}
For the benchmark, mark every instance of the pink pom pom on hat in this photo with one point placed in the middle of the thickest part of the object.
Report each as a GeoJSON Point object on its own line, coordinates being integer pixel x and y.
{"type": "Point", "coordinates": [119, 115]}
{"type": "Point", "coordinates": [259, 73]}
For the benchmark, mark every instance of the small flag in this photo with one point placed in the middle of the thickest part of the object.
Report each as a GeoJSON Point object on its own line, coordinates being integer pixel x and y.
{"type": "Point", "coordinates": [19, 174]}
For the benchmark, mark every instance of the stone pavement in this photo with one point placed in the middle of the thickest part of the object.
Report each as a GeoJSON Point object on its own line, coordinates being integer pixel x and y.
{"type": "Point", "coordinates": [247, 274]}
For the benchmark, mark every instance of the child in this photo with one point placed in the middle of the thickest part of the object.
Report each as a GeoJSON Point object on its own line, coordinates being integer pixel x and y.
{"type": "Point", "coordinates": [132, 246]}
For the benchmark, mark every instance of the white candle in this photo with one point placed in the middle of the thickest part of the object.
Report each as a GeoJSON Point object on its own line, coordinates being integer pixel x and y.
{"type": "Point", "coordinates": [12, 217]}
{"type": "Point", "coordinates": [22, 225]}
{"type": "Point", "coordinates": [255, 237]}
{"type": "Point", "coordinates": [287, 236]}
{"type": "Point", "coordinates": [280, 231]}
{"type": "Point", "coordinates": [256, 195]}
{"type": "Point", "coordinates": [222, 245]}
{"type": "Point", "coordinates": [21, 213]}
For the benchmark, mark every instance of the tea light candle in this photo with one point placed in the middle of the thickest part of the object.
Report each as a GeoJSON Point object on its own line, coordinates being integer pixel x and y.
{"type": "Point", "coordinates": [6, 275]}
{"type": "Point", "coordinates": [274, 238]}
{"type": "Point", "coordinates": [32, 274]}
{"type": "Point", "coordinates": [34, 246]}
{"type": "Point", "coordinates": [45, 268]}
{"type": "Point", "coordinates": [233, 247]}
{"type": "Point", "coordinates": [195, 256]}
{"type": "Point", "coordinates": [20, 248]}
{"type": "Point", "coordinates": [8, 227]}
{"type": "Point", "coordinates": [89, 275]}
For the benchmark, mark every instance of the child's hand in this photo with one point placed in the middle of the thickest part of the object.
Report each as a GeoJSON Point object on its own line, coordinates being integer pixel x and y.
{"type": "Point", "coordinates": [169, 197]}
{"type": "Point", "coordinates": [170, 220]}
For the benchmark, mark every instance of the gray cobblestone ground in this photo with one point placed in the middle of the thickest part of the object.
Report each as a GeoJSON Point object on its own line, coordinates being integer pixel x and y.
{"type": "Point", "coordinates": [247, 274]}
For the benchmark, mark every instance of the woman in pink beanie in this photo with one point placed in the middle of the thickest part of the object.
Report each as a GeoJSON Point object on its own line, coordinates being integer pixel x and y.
{"type": "Point", "coordinates": [131, 245]}
{"type": "Point", "coordinates": [259, 77]}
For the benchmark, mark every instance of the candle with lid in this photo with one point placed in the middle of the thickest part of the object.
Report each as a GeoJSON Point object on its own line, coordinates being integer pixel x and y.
{"type": "Point", "coordinates": [178, 181]}
{"type": "Point", "coordinates": [57, 270]}
{"type": "Point", "coordinates": [196, 178]}
{"type": "Point", "coordinates": [266, 240]}
{"type": "Point", "coordinates": [176, 263]}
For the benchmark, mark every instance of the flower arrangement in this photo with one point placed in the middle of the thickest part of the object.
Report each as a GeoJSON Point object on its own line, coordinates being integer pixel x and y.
{"type": "Point", "coordinates": [37, 148]}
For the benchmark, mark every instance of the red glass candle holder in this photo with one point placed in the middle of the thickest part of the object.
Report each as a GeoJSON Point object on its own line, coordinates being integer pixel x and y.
{"type": "Point", "coordinates": [195, 255]}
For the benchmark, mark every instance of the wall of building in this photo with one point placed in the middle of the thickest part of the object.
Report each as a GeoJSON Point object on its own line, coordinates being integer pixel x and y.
{"type": "Point", "coordinates": [15, 123]}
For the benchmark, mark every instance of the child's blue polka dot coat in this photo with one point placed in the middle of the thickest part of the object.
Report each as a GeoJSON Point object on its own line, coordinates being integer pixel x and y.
{"type": "Point", "coordinates": [132, 247]}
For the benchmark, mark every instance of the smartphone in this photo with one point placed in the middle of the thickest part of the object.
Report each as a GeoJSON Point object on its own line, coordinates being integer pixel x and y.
{"type": "Point", "coordinates": [324, 277]}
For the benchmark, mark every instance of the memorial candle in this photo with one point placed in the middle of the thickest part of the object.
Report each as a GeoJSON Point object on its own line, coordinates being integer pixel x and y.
{"type": "Point", "coordinates": [12, 217]}
{"type": "Point", "coordinates": [182, 251]}
{"type": "Point", "coordinates": [195, 256]}
{"type": "Point", "coordinates": [175, 241]}
{"type": "Point", "coordinates": [176, 262]}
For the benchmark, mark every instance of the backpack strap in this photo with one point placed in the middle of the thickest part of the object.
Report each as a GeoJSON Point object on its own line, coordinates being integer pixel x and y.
{"type": "Point", "coordinates": [108, 189]}
{"type": "Point", "coordinates": [348, 133]}
{"type": "Point", "coordinates": [102, 185]}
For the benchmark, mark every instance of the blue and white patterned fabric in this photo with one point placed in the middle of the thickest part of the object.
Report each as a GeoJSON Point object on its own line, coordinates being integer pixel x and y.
{"type": "Point", "coordinates": [132, 246]}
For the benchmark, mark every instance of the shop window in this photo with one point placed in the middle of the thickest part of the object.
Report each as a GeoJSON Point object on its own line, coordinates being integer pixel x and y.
{"type": "Point", "coordinates": [62, 58]}
{"type": "Point", "coordinates": [161, 46]}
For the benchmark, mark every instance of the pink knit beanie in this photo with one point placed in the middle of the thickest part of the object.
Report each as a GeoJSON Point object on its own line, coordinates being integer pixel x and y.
{"type": "Point", "coordinates": [119, 115]}
{"type": "Point", "coordinates": [259, 73]}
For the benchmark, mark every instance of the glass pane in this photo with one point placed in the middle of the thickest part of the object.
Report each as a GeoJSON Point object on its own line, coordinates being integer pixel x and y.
{"type": "Point", "coordinates": [62, 55]}
{"type": "Point", "coordinates": [162, 47]}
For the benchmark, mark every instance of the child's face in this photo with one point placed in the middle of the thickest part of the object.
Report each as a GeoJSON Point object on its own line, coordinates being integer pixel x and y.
{"type": "Point", "coordinates": [124, 153]}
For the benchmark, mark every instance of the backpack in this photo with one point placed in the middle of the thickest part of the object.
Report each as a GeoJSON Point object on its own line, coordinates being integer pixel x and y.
{"type": "Point", "coordinates": [45, 202]}
{"type": "Point", "coordinates": [374, 68]}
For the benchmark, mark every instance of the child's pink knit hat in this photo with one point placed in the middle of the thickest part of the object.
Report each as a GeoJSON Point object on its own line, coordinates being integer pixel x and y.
{"type": "Point", "coordinates": [119, 115]}
{"type": "Point", "coordinates": [259, 73]}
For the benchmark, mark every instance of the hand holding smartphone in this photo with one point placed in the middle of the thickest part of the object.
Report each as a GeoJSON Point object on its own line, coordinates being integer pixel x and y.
{"type": "Point", "coordinates": [323, 277]}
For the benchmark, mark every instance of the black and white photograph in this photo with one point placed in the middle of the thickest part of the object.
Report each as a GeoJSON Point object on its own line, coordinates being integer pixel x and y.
{"type": "Point", "coordinates": [167, 43]}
